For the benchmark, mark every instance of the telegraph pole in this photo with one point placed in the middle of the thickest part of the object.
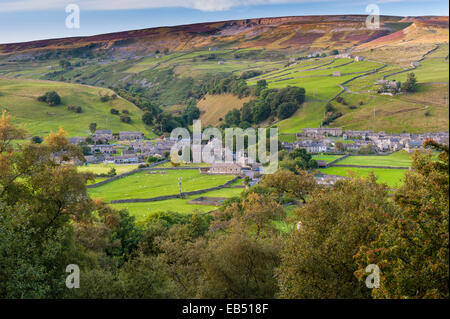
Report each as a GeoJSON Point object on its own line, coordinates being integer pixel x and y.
{"type": "Point", "coordinates": [179, 185]}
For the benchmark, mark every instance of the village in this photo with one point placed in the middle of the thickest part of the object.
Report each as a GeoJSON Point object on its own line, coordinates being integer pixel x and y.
{"type": "Point", "coordinates": [129, 147]}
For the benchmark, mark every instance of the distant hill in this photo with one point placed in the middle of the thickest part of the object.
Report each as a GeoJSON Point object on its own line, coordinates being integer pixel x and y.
{"type": "Point", "coordinates": [289, 33]}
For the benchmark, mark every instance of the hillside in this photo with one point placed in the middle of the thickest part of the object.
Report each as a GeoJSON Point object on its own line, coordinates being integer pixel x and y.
{"type": "Point", "coordinates": [293, 33]}
{"type": "Point", "coordinates": [19, 98]}
{"type": "Point", "coordinates": [166, 66]}
{"type": "Point", "coordinates": [214, 107]}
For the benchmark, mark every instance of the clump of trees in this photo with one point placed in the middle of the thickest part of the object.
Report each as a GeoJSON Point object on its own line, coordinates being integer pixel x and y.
{"type": "Point", "coordinates": [331, 113]}
{"type": "Point", "coordinates": [51, 98]}
{"type": "Point", "coordinates": [410, 85]}
{"type": "Point", "coordinates": [125, 118]}
{"type": "Point", "coordinates": [270, 102]}
{"type": "Point", "coordinates": [107, 97]}
{"type": "Point", "coordinates": [75, 109]}
{"type": "Point", "coordinates": [166, 122]}
{"type": "Point", "coordinates": [299, 158]}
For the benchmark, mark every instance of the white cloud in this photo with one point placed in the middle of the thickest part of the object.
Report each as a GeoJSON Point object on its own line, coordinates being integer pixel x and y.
{"type": "Point", "coordinates": [203, 5]}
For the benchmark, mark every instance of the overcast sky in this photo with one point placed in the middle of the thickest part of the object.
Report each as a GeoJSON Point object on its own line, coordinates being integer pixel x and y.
{"type": "Point", "coordinates": [25, 20]}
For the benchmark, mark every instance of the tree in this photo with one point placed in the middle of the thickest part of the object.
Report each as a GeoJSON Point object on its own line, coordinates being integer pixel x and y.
{"type": "Point", "coordinates": [233, 117]}
{"type": "Point", "coordinates": [37, 139]}
{"type": "Point", "coordinates": [239, 266]}
{"type": "Point", "coordinates": [298, 158]}
{"type": "Point", "coordinates": [297, 185]}
{"type": "Point", "coordinates": [39, 200]}
{"type": "Point", "coordinates": [410, 85]}
{"type": "Point", "coordinates": [339, 146]}
{"type": "Point", "coordinates": [246, 112]}
{"type": "Point", "coordinates": [93, 127]}
{"type": "Point", "coordinates": [317, 260]}
{"type": "Point", "coordinates": [125, 118]}
{"type": "Point", "coordinates": [286, 109]}
{"type": "Point", "coordinates": [260, 112]}
{"type": "Point", "coordinates": [412, 249]}
{"type": "Point", "coordinates": [260, 85]}
{"type": "Point", "coordinates": [191, 112]}
{"type": "Point", "coordinates": [147, 118]}
{"type": "Point", "coordinates": [152, 159]}
{"type": "Point", "coordinates": [51, 98]}
{"type": "Point", "coordinates": [259, 209]}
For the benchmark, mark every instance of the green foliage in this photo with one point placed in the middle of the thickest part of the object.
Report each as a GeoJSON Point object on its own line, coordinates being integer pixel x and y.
{"type": "Point", "coordinates": [286, 109]}
{"type": "Point", "coordinates": [93, 127]}
{"type": "Point", "coordinates": [37, 139]}
{"type": "Point", "coordinates": [75, 109]}
{"type": "Point", "coordinates": [298, 158]}
{"type": "Point", "coordinates": [147, 118]}
{"type": "Point", "coordinates": [410, 85]}
{"type": "Point", "coordinates": [51, 98]}
{"type": "Point", "coordinates": [412, 249]}
{"type": "Point", "coordinates": [125, 118]}
{"type": "Point", "coordinates": [317, 259]}
{"type": "Point", "coordinates": [233, 117]}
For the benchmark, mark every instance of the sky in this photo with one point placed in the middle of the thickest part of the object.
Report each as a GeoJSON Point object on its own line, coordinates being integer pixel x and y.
{"type": "Point", "coordinates": [27, 20]}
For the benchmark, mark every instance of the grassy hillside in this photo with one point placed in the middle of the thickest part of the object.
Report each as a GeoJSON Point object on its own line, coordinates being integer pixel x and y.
{"type": "Point", "coordinates": [214, 107]}
{"type": "Point", "coordinates": [19, 98]}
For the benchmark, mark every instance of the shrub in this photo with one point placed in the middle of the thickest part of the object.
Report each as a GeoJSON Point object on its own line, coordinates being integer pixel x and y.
{"type": "Point", "coordinates": [114, 111]}
{"type": "Point", "coordinates": [37, 139]}
{"type": "Point", "coordinates": [329, 108]}
{"type": "Point", "coordinates": [125, 112]}
{"type": "Point", "coordinates": [125, 118]}
{"type": "Point", "coordinates": [105, 98]}
{"type": "Point", "coordinates": [51, 98]}
{"type": "Point", "coordinates": [152, 159]}
{"type": "Point", "coordinates": [76, 109]}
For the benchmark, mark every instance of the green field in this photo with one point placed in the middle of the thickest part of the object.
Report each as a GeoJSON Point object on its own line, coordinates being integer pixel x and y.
{"type": "Point", "coordinates": [397, 159]}
{"type": "Point", "coordinates": [309, 115]}
{"type": "Point", "coordinates": [104, 168]}
{"type": "Point", "coordinates": [146, 185]}
{"type": "Point", "coordinates": [391, 177]}
{"type": "Point", "coordinates": [143, 210]}
{"type": "Point", "coordinates": [327, 158]}
{"type": "Point", "coordinates": [430, 70]}
{"type": "Point", "coordinates": [19, 98]}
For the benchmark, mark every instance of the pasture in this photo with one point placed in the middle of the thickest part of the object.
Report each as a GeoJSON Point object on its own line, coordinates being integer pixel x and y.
{"type": "Point", "coordinates": [19, 98]}
{"type": "Point", "coordinates": [397, 159]}
{"type": "Point", "coordinates": [147, 184]}
{"type": "Point", "coordinates": [143, 210]}
{"type": "Point", "coordinates": [391, 177]}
